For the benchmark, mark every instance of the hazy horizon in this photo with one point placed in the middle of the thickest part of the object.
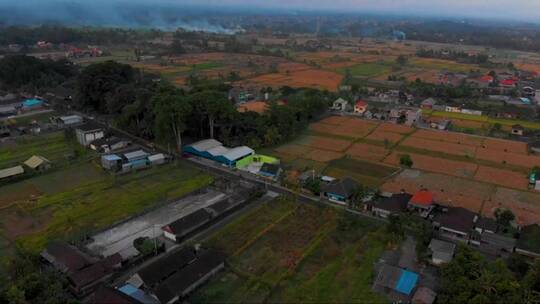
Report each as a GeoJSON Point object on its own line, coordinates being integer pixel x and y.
{"type": "Point", "coordinates": [156, 12]}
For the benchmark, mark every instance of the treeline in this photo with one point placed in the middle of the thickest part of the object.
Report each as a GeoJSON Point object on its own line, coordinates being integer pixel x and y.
{"type": "Point", "coordinates": [459, 56]}
{"type": "Point", "coordinates": [60, 34]}
{"type": "Point", "coordinates": [471, 278]}
{"type": "Point", "coordinates": [30, 74]}
{"type": "Point", "coordinates": [159, 111]}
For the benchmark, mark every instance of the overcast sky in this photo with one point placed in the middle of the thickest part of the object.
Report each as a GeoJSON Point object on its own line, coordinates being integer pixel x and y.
{"type": "Point", "coordinates": [525, 10]}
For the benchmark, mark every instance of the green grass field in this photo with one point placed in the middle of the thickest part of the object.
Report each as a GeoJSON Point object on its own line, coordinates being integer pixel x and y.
{"type": "Point", "coordinates": [292, 253]}
{"type": "Point", "coordinates": [103, 201]}
{"type": "Point", "coordinates": [486, 119]}
{"type": "Point", "coordinates": [207, 65]}
{"type": "Point", "coordinates": [366, 69]}
{"type": "Point", "coordinates": [52, 146]}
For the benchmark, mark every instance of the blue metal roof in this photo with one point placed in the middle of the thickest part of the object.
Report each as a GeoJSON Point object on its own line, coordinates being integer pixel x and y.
{"type": "Point", "coordinates": [111, 157]}
{"type": "Point", "coordinates": [32, 102]}
{"type": "Point", "coordinates": [407, 282]}
{"type": "Point", "coordinates": [137, 294]}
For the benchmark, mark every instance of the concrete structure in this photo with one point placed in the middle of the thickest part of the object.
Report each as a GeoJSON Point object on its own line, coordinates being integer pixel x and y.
{"type": "Point", "coordinates": [88, 132]}
{"type": "Point", "coordinates": [106, 145]}
{"type": "Point", "coordinates": [157, 159]}
{"type": "Point", "coordinates": [441, 252]}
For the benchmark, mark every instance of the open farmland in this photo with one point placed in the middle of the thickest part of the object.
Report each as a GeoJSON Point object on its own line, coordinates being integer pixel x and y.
{"type": "Point", "coordinates": [456, 160]}
{"type": "Point", "coordinates": [80, 197]}
{"type": "Point", "coordinates": [289, 253]}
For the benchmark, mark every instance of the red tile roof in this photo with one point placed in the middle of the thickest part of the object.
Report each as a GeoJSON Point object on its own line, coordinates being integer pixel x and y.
{"type": "Point", "coordinates": [486, 78]}
{"type": "Point", "coordinates": [508, 82]}
{"type": "Point", "coordinates": [422, 198]}
{"type": "Point", "coordinates": [361, 103]}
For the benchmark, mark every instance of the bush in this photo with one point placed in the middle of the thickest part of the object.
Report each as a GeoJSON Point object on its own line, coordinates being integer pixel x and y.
{"type": "Point", "coordinates": [406, 160]}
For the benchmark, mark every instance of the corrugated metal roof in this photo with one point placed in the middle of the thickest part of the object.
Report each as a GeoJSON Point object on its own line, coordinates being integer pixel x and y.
{"type": "Point", "coordinates": [206, 144]}
{"type": "Point", "coordinates": [136, 154]}
{"type": "Point", "coordinates": [11, 171]}
{"type": "Point", "coordinates": [35, 161]}
{"type": "Point", "coordinates": [111, 157]}
{"type": "Point", "coordinates": [236, 153]}
{"type": "Point", "coordinates": [156, 157]}
{"type": "Point", "coordinates": [219, 150]}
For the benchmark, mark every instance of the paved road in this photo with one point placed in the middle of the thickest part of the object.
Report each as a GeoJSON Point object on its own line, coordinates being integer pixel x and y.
{"type": "Point", "coordinates": [119, 239]}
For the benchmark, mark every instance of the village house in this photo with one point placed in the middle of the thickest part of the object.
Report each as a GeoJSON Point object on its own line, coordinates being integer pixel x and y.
{"type": "Point", "coordinates": [528, 243]}
{"type": "Point", "coordinates": [111, 162]}
{"type": "Point", "coordinates": [441, 252]}
{"type": "Point", "coordinates": [156, 272]}
{"type": "Point", "coordinates": [340, 192]}
{"type": "Point", "coordinates": [271, 171]}
{"type": "Point", "coordinates": [135, 160]}
{"type": "Point", "coordinates": [428, 103]}
{"type": "Point", "coordinates": [11, 172]}
{"type": "Point", "coordinates": [89, 132]}
{"type": "Point", "coordinates": [424, 295]}
{"type": "Point", "coordinates": [360, 107]}
{"type": "Point", "coordinates": [341, 104]}
{"type": "Point", "coordinates": [38, 163]}
{"type": "Point", "coordinates": [110, 295]}
{"type": "Point", "coordinates": [385, 206]}
{"type": "Point", "coordinates": [137, 294]}
{"type": "Point", "coordinates": [422, 202]}
{"type": "Point", "coordinates": [517, 130]}
{"type": "Point", "coordinates": [186, 280]}
{"type": "Point", "coordinates": [455, 223]}
{"type": "Point", "coordinates": [413, 116]}
{"type": "Point", "coordinates": [179, 229]}
{"type": "Point", "coordinates": [71, 120]}
{"type": "Point", "coordinates": [391, 278]}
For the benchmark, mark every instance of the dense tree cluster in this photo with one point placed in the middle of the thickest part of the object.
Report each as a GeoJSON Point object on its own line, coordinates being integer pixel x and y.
{"type": "Point", "coordinates": [162, 112]}
{"type": "Point", "coordinates": [25, 280]}
{"type": "Point", "coordinates": [470, 278]}
{"type": "Point", "coordinates": [30, 73]}
{"type": "Point", "coordinates": [69, 35]}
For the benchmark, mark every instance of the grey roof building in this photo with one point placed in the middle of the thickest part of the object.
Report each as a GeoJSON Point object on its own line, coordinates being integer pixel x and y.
{"type": "Point", "coordinates": [441, 252]}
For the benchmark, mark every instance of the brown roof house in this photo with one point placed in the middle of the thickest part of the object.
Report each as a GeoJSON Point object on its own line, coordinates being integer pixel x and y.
{"type": "Point", "coordinates": [455, 223]}
{"type": "Point", "coordinates": [385, 206]}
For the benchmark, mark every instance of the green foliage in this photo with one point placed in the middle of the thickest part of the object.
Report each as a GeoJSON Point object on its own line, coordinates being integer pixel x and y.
{"type": "Point", "coordinates": [402, 60]}
{"type": "Point", "coordinates": [313, 185]}
{"type": "Point", "coordinates": [406, 160]}
{"type": "Point", "coordinates": [471, 278]}
{"type": "Point", "coordinates": [395, 225]}
{"type": "Point", "coordinates": [29, 282]}
{"type": "Point", "coordinates": [504, 216]}
{"type": "Point", "coordinates": [31, 73]}
{"type": "Point", "coordinates": [145, 246]}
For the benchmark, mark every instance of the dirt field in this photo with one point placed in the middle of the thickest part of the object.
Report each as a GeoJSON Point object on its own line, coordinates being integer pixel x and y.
{"type": "Point", "coordinates": [505, 145]}
{"type": "Point", "coordinates": [323, 155]}
{"type": "Point", "coordinates": [325, 143]}
{"type": "Point", "coordinates": [444, 147]}
{"type": "Point", "coordinates": [525, 161]}
{"type": "Point", "coordinates": [502, 177]}
{"type": "Point", "coordinates": [300, 79]}
{"type": "Point", "coordinates": [295, 150]}
{"type": "Point", "coordinates": [525, 205]}
{"type": "Point", "coordinates": [389, 127]}
{"type": "Point", "coordinates": [344, 127]}
{"type": "Point", "coordinates": [382, 136]}
{"type": "Point", "coordinates": [367, 152]}
{"type": "Point", "coordinates": [451, 137]}
{"type": "Point", "coordinates": [435, 164]}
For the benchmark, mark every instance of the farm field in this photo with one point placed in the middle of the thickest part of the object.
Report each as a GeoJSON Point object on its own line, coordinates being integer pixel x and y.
{"type": "Point", "coordinates": [458, 161]}
{"type": "Point", "coordinates": [366, 69]}
{"type": "Point", "coordinates": [283, 252]}
{"type": "Point", "coordinates": [80, 199]}
{"type": "Point", "coordinates": [483, 119]}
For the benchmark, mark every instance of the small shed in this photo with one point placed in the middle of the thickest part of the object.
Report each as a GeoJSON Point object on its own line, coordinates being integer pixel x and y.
{"type": "Point", "coordinates": [70, 120]}
{"type": "Point", "coordinates": [111, 162]}
{"type": "Point", "coordinates": [517, 130]}
{"type": "Point", "coordinates": [157, 159]}
{"type": "Point", "coordinates": [341, 191]}
{"type": "Point", "coordinates": [10, 172]}
{"type": "Point", "coordinates": [397, 279]}
{"type": "Point", "coordinates": [135, 156]}
{"type": "Point", "coordinates": [270, 170]}
{"type": "Point", "coordinates": [38, 163]}
{"type": "Point", "coordinates": [89, 132]}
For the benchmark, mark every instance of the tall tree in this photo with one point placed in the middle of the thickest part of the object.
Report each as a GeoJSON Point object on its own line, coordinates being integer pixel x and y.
{"type": "Point", "coordinates": [172, 110]}
{"type": "Point", "coordinates": [212, 105]}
